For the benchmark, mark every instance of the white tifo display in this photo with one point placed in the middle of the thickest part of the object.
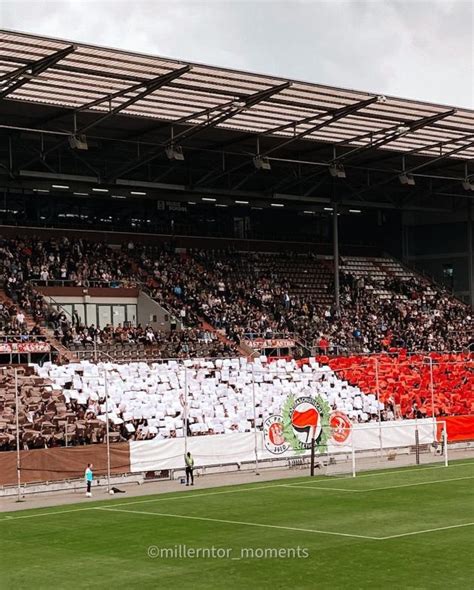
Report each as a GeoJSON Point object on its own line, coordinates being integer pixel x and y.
{"type": "Point", "coordinates": [219, 395]}
{"type": "Point", "coordinates": [391, 443]}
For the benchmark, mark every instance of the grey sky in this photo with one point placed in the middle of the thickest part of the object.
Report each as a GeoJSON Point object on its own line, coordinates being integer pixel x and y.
{"type": "Point", "coordinates": [422, 49]}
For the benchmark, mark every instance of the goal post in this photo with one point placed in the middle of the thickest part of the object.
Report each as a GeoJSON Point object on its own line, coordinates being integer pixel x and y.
{"type": "Point", "coordinates": [372, 446]}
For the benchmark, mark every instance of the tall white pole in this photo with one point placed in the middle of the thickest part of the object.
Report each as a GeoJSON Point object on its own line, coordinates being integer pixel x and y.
{"type": "Point", "coordinates": [377, 387]}
{"type": "Point", "coordinates": [432, 398]}
{"type": "Point", "coordinates": [445, 444]}
{"type": "Point", "coordinates": [18, 458]}
{"type": "Point", "coordinates": [353, 453]}
{"type": "Point", "coordinates": [185, 410]}
{"type": "Point", "coordinates": [255, 420]}
{"type": "Point", "coordinates": [107, 437]}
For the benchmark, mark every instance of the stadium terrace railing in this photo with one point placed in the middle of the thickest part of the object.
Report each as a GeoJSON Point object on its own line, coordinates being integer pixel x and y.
{"type": "Point", "coordinates": [18, 338]}
{"type": "Point", "coordinates": [86, 283]}
{"type": "Point", "coordinates": [92, 283]}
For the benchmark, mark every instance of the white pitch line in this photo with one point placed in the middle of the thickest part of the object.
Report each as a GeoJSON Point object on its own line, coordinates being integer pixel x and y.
{"type": "Point", "coordinates": [363, 491]}
{"type": "Point", "coordinates": [238, 522]}
{"type": "Point", "coordinates": [8, 517]}
{"type": "Point", "coordinates": [407, 469]}
{"type": "Point", "coordinates": [441, 528]}
{"type": "Point", "coordinates": [291, 486]}
{"type": "Point", "coordinates": [183, 495]}
{"type": "Point", "coordinates": [422, 483]}
{"type": "Point", "coordinates": [279, 485]}
{"type": "Point", "coordinates": [163, 498]}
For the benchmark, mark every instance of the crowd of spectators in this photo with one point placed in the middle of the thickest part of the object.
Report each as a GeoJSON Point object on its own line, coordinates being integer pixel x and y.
{"type": "Point", "coordinates": [175, 344]}
{"type": "Point", "coordinates": [233, 294]}
{"type": "Point", "coordinates": [228, 290]}
{"type": "Point", "coordinates": [28, 262]}
{"type": "Point", "coordinates": [25, 263]}
{"type": "Point", "coordinates": [74, 262]}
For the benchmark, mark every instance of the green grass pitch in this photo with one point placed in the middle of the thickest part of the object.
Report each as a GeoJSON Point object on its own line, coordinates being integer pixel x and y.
{"type": "Point", "coordinates": [411, 528]}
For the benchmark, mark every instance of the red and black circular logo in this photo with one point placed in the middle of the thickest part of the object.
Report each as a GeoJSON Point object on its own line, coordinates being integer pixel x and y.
{"type": "Point", "coordinates": [305, 420]}
{"type": "Point", "coordinates": [340, 427]}
{"type": "Point", "coordinates": [274, 438]}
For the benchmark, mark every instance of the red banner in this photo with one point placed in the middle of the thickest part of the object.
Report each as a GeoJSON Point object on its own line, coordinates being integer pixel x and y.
{"type": "Point", "coordinates": [24, 347]}
{"type": "Point", "coordinates": [459, 428]}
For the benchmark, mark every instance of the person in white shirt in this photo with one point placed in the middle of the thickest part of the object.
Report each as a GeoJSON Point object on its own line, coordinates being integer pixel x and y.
{"type": "Point", "coordinates": [20, 318]}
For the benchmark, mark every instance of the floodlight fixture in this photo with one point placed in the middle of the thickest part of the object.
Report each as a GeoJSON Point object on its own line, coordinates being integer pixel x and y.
{"type": "Point", "coordinates": [174, 153]}
{"type": "Point", "coordinates": [468, 184]}
{"type": "Point", "coordinates": [78, 142]}
{"type": "Point", "coordinates": [407, 179]}
{"type": "Point", "coordinates": [261, 163]}
{"type": "Point", "coordinates": [337, 171]}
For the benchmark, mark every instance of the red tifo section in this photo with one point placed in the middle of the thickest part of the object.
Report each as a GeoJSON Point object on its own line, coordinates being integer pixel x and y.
{"type": "Point", "coordinates": [405, 379]}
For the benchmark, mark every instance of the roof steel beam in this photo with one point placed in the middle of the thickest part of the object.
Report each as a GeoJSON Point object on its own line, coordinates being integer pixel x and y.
{"type": "Point", "coordinates": [429, 162]}
{"type": "Point", "coordinates": [389, 135]}
{"type": "Point", "coordinates": [23, 74]}
{"type": "Point", "coordinates": [150, 86]}
{"type": "Point", "coordinates": [285, 126]}
{"type": "Point", "coordinates": [98, 101]}
{"type": "Point", "coordinates": [206, 112]}
{"type": "Point", "coordinates": [238, 106]}
{"type": "Point", "coordinates": [333, 115]}
{"type": "Point", "coordinates": [395, 134]}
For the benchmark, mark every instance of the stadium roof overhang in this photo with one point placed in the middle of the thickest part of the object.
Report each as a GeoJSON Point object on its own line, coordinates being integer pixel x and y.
{"type": "Point", "coordinates": [103, 117]}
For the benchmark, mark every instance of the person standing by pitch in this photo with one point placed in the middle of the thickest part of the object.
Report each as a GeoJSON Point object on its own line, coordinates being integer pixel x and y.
{"type": "Point", "coordinates": [89, 476]}
{"type": "Point", "coordinates": [188, 459]}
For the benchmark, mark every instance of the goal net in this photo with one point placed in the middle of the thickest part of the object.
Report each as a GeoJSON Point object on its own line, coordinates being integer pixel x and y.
{"type": "Point", "coordinates": [366, 447]}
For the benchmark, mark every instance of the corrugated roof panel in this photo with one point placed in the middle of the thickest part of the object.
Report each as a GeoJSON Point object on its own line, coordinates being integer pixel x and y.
{"type": "Point", "coordinates": [91, 73]}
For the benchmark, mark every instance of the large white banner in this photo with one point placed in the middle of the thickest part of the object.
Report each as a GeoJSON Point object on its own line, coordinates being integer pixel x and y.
{"type": "Point", "coordinates": [151, 455]}
{"type": "Point", "coordinates": [222, 449]}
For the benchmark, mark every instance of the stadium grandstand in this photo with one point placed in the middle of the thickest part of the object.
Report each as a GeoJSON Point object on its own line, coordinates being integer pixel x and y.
{"type": "Point", "coordinates": [236, 309]}
{"type": "Point", "coordinates": [183, 248]}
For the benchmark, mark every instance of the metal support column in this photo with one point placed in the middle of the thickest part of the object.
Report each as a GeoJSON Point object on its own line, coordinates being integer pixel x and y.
{"type": "Point", "coordinates": [335, 249]}
{"type": "Point", "coordinates": [470, 254]}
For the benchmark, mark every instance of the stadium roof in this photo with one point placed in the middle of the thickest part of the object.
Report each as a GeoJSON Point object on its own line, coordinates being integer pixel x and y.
{"type": "Point", "coordinates": [97, 116]}
{"type": "Point", "coordinates": [82, 77]}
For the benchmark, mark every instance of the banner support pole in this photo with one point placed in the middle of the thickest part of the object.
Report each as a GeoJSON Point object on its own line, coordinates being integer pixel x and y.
{"type": "Point", "coordinates": [185, 410]}
{"type": "Point", "coordinates": [353, 456]}
{"type": "Point", "coordinates": [107, 437]}
{"type": "Point", "coordinates": [18, 456]}
{"type": "Point", "coordinates": [254, 403]}
{"type": "Point", "coordinates": [445, 444]}
{"type": "Point", "coordinates": [432, 397]}
{"type": "Point", "coordinates": [377, 387]}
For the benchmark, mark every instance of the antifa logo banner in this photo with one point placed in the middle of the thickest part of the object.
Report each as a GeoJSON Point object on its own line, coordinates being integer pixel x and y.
{"type": "Point", "coordinates": [305, 420]}
{"type": "Point", "coordinates": [302, 420]}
